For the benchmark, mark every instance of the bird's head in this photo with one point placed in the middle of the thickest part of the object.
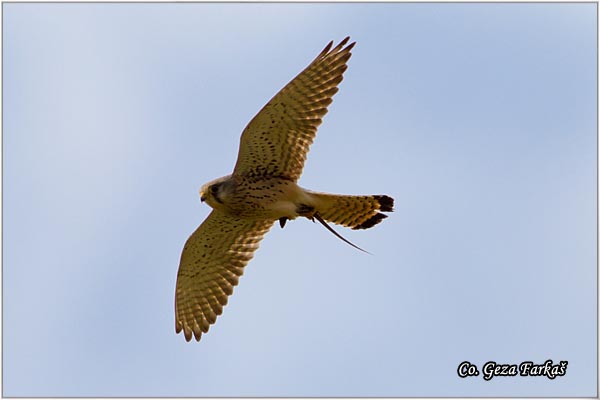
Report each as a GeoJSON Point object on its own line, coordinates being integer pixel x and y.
{"type": "Point", "coordinates": [215, 192]}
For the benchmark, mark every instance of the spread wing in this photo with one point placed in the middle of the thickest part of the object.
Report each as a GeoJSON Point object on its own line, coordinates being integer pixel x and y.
{"type": "Point", "coordinates": [278, 138]}
{"type": "Point", "coordinates": [212, 261]}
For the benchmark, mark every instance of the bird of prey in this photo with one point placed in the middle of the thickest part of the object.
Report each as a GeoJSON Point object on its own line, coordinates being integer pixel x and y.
{"type": "Point", "coordinates": [263, 189]}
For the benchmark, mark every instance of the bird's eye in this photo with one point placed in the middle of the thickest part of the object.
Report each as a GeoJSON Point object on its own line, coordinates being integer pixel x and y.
{"type": "Point", "coordinates": [214, 189]}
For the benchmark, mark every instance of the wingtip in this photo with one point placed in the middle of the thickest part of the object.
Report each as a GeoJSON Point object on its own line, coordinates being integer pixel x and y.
{"type": "Point", "coordinates": [187, 332]}
{"type": "Point", "coordinates": [339, 47]}
{"type": "Point", "coordinates": [343, 43]}
{"type": "Point", "coordinates": [326, 49]}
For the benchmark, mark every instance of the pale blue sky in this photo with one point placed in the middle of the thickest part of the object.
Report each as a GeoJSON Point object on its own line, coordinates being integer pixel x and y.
{"type": "Point", "coordinates": [479, 119]}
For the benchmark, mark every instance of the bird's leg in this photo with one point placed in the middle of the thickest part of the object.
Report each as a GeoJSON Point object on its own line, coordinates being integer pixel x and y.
{"type": "Point", "coordinates": [306, 211]}
{"type": "Point", "coordinates": [282, 221]}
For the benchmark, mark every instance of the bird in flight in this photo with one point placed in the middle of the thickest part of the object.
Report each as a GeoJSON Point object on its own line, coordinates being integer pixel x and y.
{"type": "Point", "coordinates": [263, 189]}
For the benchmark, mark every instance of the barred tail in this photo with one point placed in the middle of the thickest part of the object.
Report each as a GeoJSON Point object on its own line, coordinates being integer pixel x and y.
{"type": "Point", "coordinates": [356, 212]}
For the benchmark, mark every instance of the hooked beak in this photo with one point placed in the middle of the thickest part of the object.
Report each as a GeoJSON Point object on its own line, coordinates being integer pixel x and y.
{"type": "Point", "coordinates": [202, 198]}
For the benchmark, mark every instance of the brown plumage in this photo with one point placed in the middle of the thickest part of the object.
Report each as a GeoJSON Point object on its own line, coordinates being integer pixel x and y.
{"type": "Point", "coordinates": [261, 190]}
{"type": "Point", "coordinates": [298, 110]}
{"type": "Point", "coordinates": [207, 274]}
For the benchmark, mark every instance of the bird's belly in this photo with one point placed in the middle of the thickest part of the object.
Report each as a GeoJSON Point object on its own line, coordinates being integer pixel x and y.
{"type": "Point", "coordinates": [267, 199]}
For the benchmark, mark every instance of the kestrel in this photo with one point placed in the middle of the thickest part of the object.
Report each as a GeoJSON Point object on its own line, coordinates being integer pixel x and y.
{"type": "Point", "coordinates": [262, 189]}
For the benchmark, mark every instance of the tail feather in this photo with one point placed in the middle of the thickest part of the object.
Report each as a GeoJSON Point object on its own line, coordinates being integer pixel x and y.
{"type": "Point", "coordinates": [356, 212]}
